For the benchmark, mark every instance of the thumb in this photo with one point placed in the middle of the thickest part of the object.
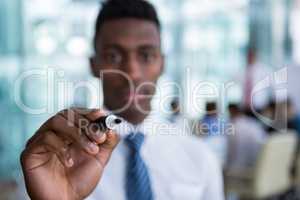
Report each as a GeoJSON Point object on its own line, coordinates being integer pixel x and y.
{"type": "Point", "coordinates": [106, 148]}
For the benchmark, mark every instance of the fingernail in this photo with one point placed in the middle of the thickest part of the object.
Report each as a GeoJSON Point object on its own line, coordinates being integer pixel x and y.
{"type": "Point", "coordinates": [93, 147]}
{"type": "Point", "coordinates": [70, 162]}
{"type": "Point", "coordinates": [100, 135]}
{"type": "Point", "coordinates": [94, 127]}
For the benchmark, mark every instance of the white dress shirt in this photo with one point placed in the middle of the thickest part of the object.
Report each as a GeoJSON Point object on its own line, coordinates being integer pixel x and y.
{"type": "Point", "coordinates": [180, 165]}
{"type": "Point", "coordinates": [244, 143]}
{"type": "Point", "coordinates": [258, 73]}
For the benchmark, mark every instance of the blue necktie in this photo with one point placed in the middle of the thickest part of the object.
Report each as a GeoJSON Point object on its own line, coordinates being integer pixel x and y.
{"type": "Point", "coordinates": [138, 186]}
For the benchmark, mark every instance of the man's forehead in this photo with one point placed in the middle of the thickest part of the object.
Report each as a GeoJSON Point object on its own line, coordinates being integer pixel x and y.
{"type": "Point", "coordinates": [129, 32]}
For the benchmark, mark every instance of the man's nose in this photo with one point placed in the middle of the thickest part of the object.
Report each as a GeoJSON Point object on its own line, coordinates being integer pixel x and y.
{"type": "Point", "coordinates": [133, 68]}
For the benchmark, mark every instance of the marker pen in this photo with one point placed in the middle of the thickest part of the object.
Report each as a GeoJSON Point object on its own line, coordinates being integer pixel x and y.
{"type": "Point", "coordinates": [109, 122]}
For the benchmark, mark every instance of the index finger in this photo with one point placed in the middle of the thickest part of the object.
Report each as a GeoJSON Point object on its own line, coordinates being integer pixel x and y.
{"type": "Point", "coordinates": [90, 114]}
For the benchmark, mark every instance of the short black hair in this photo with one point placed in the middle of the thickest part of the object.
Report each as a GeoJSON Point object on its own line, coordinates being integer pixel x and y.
{"type": "Point", "coordinates": [118, 9]}
{"type": "Point", "coordinates": [211, 106]}
{"type": "Point", "coordinates": [175, 103]}
{"type": "Point", "coordinates": [234, 107]}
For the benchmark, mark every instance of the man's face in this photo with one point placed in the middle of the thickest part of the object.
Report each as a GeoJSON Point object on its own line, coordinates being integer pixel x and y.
{"type": "Point", "coordinates": [129, 61]}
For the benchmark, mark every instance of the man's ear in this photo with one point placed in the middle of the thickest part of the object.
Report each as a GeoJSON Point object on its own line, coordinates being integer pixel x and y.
{"type": "Point", "coordinates": [93, 66]}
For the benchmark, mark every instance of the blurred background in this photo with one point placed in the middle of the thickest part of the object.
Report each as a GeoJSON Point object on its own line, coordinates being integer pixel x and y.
{"type": "Point", "coordinates": [212, 39]}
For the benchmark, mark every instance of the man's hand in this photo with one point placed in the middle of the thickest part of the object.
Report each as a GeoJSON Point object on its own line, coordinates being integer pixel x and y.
{"type": "Point", "coordinates": [66, 157]}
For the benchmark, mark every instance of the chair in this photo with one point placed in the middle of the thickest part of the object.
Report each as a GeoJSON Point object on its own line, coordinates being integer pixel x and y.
{"type": "Point", "coordinates": [271, 174]}
{"type": "Point", "coordinates": [296, 181]}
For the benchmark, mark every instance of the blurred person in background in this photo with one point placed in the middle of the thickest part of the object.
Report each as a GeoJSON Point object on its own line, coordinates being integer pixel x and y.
{"type": "Point", "coordinates": [254, 74]}
{"type": "Point", "coordinates": [212, 128]}
{"type": "Point", "coordinates": [143, 162]}
{"type": "Point", "coordinates": [211, 124]}
{"type": "Point", "coordinates": [282, 115]}
{"type": "Point", "coordinates": [175, 109]}
{"type": "Point", "coordinates": [293, 116]}
{"type": "Point", "coordinates": [178, 118]}
{"type": "Point", "coordinates": [245, 141]}
{"type": "Point", "coordinates": [269, 113]}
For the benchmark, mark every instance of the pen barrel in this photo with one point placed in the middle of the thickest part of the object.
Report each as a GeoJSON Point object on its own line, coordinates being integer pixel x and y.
{"type": "Point", "coordinates": [107, 122]}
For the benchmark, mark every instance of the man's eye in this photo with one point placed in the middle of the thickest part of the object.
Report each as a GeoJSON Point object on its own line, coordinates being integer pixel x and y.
{"type": "Point", "coordinates": [147, 57]}
{"type": "Point", "coordinates": [113, 58]}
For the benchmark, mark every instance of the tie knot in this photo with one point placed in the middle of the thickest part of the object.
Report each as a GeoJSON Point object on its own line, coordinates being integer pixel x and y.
{"type": "Point", "coordinates": [135, 141]}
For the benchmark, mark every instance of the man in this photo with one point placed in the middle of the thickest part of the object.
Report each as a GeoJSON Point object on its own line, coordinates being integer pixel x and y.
{"type": "Point", "coordinates": [245, 142]}
{"type": "Point", "coordinates": [213, 131]}
{"type": "Point", "coordinates": [65, 161]}
{"type": "Point", "coordinates": [293, 116]}
{"type": "Point", "coordinates": [212, 124]}
{"type": "Point", "coordinates": [255, 73]}
{"type": "Point", "coordinates": [175, 109]}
